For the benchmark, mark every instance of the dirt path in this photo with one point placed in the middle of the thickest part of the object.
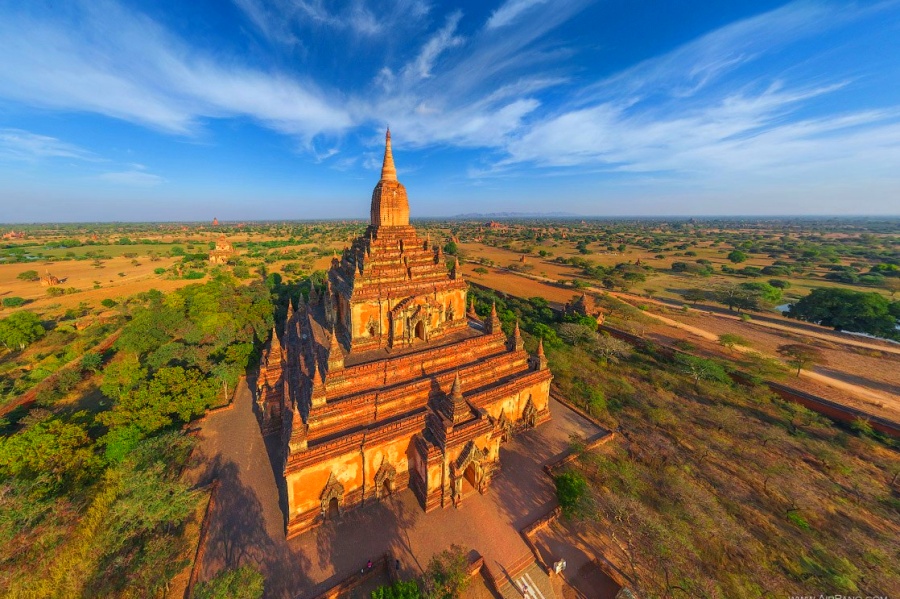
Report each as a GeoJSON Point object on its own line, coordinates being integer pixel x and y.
{"type": "Point", "coordinates": [886, 347]}
{"type": "Point", "coordinates": [861, 393]}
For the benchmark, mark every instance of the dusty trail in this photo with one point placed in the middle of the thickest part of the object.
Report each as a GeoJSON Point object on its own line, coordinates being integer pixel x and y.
{"type": "Point", "coordinates": [879, 399]}
{"type": "Point", "coordinates": [864, 394]}
{"type": "Point", "coordinates": [887, 348]}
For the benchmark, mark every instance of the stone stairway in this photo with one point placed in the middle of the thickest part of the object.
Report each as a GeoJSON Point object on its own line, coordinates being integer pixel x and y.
{"type": "Point", "coordinates": [530, 583]}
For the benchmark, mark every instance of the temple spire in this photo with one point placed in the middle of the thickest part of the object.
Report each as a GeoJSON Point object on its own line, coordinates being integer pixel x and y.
{"type": "Point", "coordinates": [388, 171]}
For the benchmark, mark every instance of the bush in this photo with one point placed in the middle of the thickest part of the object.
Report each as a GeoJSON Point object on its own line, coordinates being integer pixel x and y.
{"type": "Point", "coordinates": [55, 291]}
{"type": "Point", "coordinates": [572, 494]}
{"type": "Point", "coordinates": [399, 590]}
{"type": "Point", "coordinates": [108, 303]}
{"type": "Point", "coordinates": [28, 275]}
{"type": "Point", "coordinates": [159, 270]}
{"type": "Point", "coordinates": [13, 302]}
{"type": "Point", "coordinates": [91, 361]}
{"type": "Point", "coordinates": [194, 274]}
{"type": "Point", "coordinates": [447, 574]}
{"type": "Point", "coordinates": [241, 583]}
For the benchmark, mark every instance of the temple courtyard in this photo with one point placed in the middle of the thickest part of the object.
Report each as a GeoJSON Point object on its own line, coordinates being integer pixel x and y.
{"type": "Point", "coordinates": [246, 522]}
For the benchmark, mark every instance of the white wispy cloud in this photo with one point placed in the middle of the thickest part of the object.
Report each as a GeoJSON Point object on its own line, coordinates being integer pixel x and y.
{"type": "Point", "coordinates": [280, 20]}
{"type": "Point", "coordinates": [16, 144]}
{"type": "Point", "coordinates": [125, 65]}
{"type": "Point", "coordinates": [440, 42]}
{"type": "Point", "coordinates": [478, 94]}
{"type": "Point", "coordinates": [509, 11]}
{"type": "Point", "coordinates": [132, 178]}
{"type": "Point", "coordinates": [697, 114]}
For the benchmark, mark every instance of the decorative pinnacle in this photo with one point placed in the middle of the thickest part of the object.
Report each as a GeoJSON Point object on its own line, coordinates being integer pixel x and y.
{"type": "Point", "coordinates": [388, 171]}
{"type": "Point", "coordinates": [456, 391]}
{"type": "Point", "coordinates": [493, 309]}
{"type": "Point", "coordinates": [541, 347]}
{"type": "Point", "coordinates": [516, 332]}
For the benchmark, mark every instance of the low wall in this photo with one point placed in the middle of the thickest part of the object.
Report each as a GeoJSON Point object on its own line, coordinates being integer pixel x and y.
{"type": "Point", "coordinates": [833, 410]}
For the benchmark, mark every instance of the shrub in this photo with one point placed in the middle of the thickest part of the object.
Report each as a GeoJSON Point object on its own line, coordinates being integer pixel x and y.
{"type": "Point", "coordinates": [572, 494]}
{"type": "Point", "coordinates": [28, 275]}
{"type": "Point", "coordinates": [108, 303]}
{"type": "Point", "coordinates": [399, 590]}
{"type": "Point", "coordinates": [13, 302]}
{"type": "Point", "coordinates": [91, 361]}
{"type": "Point", "coordinates": [240, 583]}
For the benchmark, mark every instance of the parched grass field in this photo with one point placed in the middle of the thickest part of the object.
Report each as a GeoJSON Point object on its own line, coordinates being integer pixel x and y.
{"type": "Point", "coordinates": [82, 275]}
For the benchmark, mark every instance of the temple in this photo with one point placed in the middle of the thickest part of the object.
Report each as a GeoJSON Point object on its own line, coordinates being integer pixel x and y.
{"type": "Point", "coordinates": [383, 380]}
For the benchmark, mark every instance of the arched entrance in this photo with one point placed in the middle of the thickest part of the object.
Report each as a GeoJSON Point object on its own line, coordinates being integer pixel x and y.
{"type": "Point", "coordinates": [420, 330]}
{"type": "Point", "coordinates": [469, 482]}
{"type": "Point", "coordinates": [332, 496]}
{"type": "Point", "coordinates": [334, 510]}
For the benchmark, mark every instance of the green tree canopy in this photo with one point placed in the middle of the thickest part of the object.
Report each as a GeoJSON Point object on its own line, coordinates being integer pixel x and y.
{"type": "Point", "coordinates": [846, 309]}
{"type": "Point", "coordinates": [19, 330]}
{"type": "Point", "coordinates": [50, 450]}
{"type": "Point", "coordinates": [173, 394]}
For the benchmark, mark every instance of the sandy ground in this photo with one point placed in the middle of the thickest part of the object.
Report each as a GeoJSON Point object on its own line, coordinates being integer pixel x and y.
{"type": "Point", "coordinates": [81, 274]}
{"type": "Point", "coordinates": [867, 382]}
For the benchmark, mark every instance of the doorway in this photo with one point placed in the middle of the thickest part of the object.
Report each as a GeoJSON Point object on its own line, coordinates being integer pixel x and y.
{"type": "Point", "coordinates": [334, 509]}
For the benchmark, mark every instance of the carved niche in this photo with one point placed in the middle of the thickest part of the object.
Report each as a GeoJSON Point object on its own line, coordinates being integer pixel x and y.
{"type": "Point", "coordinates": [470, 456]}
{"type": "Point", "coordinates": [529, 414]}
{"type": "Point", "coordinates": [333, 490]}
{"type": "Point", "coordinates": [505, 427]}
{"type": "Point", "coordinates": [384, 480]}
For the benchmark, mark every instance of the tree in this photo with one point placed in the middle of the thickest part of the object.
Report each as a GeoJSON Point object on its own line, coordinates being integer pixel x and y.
{"type": "Point", "coordinates": [610, 349]}
{"type": "Point", "coordinates": [799, 356]}
{"type": "Point", "coordinates": [91, 361]}
{"type": "Point", "coordinates": [19, 330]}
{"type": "Point", "coordinates": [401, 589]}
{"type": "Point", "coordinates": [694, 296]}
{"type": "Point", "coordinates": [846, 309]}
{"type": "Point", "coordinates": [764, 292]}
{"type": "Point", "coordinates": [572, 494]}
{"type": "Point", "coordinates": [737, 256]}
{"type": "Point", "coordinates": [731, 295]}
{"type": "Point", "coordinates": [451, 248]}
{"type": "Point", "coordinates": [241, 583]}
{"type": "Point", "coordinates": [729, 340]}
{"type": "Point", "coordinates": [50, 450]}
{"type": "Point", "coordinates": [575, 333]}
{"type": "Point", "coordinates": [28, 275]}
{"type": "Point", "coordinates": [122, 375]}
{"type": "Point", "coordinates": [173, 393]}
{"type": "Point", "coordinates": [447, 574]}
{"type": "Point", "coordinates": [702, 369]}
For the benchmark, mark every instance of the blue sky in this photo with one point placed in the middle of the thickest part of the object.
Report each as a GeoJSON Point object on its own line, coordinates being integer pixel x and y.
{"type": "Point", "coordinates": [275, 109]}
